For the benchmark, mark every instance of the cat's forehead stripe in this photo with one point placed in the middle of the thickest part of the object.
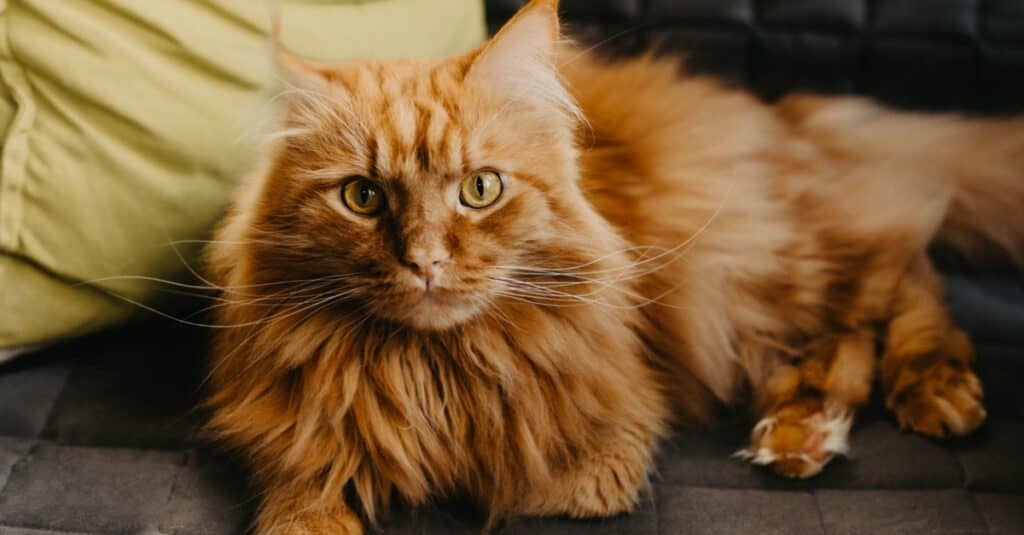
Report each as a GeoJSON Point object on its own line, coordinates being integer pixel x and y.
{"type": "Point", "coordinates": [417, 132]}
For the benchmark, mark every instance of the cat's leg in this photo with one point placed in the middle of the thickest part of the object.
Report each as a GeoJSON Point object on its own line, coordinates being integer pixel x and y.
{"type": "Point", "coordinates": [926, 367]}
{"type": "Point", "coordinates": [806, 409]}
{"type": "Point", "coordinates": [294, 509]}
{"type": "Point", "coordinates": [605, 482]}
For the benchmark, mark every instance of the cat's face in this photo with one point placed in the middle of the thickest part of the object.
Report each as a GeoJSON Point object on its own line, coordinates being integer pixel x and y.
{"type": "Point", "coordinates": [419, 189]}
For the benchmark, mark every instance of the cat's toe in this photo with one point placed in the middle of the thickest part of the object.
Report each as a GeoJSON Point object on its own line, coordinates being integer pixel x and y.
{"type": "Point", "coordinates": [946, 401]}
{"type": "Point", "coordinates": [798, 446]}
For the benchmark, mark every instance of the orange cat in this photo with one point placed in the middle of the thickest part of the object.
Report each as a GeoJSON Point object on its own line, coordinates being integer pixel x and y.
{"type": "Point", "coordinates": [507, 274]}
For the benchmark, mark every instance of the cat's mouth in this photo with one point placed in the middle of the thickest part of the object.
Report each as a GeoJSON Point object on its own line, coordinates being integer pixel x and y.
{"type": "Point", "coordinates": [433, 296]}
{"type": "Point", "coordinates": [435, 308]}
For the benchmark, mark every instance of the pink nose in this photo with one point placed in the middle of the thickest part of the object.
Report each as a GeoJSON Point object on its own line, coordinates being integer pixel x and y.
{"type": "Point", "coordinates": [428, 268]}
{"type": "Point", "coordinates": [429, 272]}
{"type": "Point", "coordinates": [425, 253]}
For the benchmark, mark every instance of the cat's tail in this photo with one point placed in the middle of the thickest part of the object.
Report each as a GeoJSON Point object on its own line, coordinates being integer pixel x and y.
{"type": "Point", "coordinates": [980, 162]}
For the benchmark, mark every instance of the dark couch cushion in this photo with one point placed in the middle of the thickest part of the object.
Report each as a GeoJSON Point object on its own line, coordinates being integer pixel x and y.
{"type": "Point", "coordinates": [943, 54]}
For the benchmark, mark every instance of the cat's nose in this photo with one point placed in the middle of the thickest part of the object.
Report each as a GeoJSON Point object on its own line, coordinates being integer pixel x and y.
{"type": "Point", "coordinates": [428, 272]}
{"type": "Point", "coordinates": [427, 263]}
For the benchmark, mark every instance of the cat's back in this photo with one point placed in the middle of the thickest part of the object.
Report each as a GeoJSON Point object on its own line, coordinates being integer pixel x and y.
{"type": "Point", "coordinates": [661, 149]}
{"type": "Point", "coordinates": [649, 98]}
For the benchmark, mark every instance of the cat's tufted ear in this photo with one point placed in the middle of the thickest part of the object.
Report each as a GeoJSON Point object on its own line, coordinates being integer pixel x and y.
{"type": "Point", "coordinates": [530, 35]}
{"type": "Point", "coordinates": [521, 56]}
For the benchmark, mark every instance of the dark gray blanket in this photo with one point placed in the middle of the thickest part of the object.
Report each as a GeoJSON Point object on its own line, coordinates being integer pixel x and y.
{"type": "Point", "coordinates": [98, 436]}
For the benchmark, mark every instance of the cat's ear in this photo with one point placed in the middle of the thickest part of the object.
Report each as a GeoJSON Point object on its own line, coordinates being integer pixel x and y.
{"type": "Point", "coordinates": [521, 56]}
{"type": "Point", "coordinates": [530, 35]}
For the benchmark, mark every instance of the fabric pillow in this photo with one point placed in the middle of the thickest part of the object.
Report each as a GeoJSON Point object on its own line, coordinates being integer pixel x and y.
{"type": "Point", "coordinates": [125, 125]}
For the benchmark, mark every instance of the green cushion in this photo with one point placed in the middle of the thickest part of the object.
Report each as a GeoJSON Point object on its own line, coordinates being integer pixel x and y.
{"type": "Point", "coordinates": [126, 123]}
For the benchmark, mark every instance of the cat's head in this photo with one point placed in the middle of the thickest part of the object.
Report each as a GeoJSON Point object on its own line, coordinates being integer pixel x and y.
{"type": "Point", "coordinates": [422, 191]}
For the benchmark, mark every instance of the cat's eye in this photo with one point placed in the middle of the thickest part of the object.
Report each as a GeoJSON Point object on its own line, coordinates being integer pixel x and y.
{"type": "Point", "coordinates": [362, 196]}
{"type": "Point", "coordinates": [480, 189]}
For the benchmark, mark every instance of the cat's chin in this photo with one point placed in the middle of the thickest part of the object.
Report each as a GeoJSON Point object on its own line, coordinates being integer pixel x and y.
{"type": "Point", "coordinates": [435, 314]}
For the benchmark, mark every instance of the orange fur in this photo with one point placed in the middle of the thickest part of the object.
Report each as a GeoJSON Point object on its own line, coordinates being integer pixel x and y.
{"type": "Point", "coordinates": [682, 244]}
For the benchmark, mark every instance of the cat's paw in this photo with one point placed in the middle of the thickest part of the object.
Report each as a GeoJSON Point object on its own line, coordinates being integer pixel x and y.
{"type": "Point", "coordinates": [798, 444]}
{"type": "Point", "coordinates": [943, 400]}
{"type": "Point", "coordinates": [607, 486]}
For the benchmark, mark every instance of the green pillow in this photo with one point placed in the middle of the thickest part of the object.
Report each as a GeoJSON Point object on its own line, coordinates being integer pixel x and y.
{"type": "Point", "coordinates": [125, 123]}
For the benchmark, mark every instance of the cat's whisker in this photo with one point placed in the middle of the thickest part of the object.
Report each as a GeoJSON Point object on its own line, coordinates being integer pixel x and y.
{"type": "Point", "coordinates": [188, 266]}
{"type": "Point", "coordinates": [612, 254]}
{"type": "Point", "coordinates": [497, 314]}
{"type": "Point", "coordinates": [556, 297]}
{"type": "Point", "coordinates": [310, 290]}
{"type": "Point", "coordinates": [211, 288]}
{"type": "Point", "coordinates": [146, 278]}
{"type": "Point", "coordinates": [225, 242]}
{"type": "Point", "coordinates": [628, 272]}
{"type": "Point", "coordinates": [515, 287]}
{"type": "Point", "coordinates": [319, 305]}
{"type": "Point", "coordinates": [182, 321]}
{"type": "Point", "coordinates": [550, 288]}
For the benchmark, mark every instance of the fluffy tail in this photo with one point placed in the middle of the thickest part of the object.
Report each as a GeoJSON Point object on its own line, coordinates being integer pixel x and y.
{"type": "Point", "coordinates": [980, 159]}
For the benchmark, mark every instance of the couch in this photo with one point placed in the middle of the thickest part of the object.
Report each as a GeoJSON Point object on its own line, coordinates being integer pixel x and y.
{"type": "Point", "coordinates": [98, 435]}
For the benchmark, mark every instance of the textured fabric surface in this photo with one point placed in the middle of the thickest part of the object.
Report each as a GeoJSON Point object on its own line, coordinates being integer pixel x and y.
{"type": "Point", "coordinates": [98, 436]}
{"type": "Point", "coordinates": [124, 125]}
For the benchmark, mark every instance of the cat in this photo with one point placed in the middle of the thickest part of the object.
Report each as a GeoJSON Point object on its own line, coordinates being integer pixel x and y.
{"type": "Point", "coordinates": [508, 274]}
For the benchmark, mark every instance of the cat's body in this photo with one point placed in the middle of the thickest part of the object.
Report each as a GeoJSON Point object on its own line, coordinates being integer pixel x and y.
{"type": "Point", "coordinates": [686, 246]}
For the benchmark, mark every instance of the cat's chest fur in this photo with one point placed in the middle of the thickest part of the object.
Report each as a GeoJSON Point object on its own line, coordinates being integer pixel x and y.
{"type": "Point", "coordinates": [485, 406]}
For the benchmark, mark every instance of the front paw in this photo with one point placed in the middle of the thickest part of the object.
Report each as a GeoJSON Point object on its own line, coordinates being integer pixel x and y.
{"type": "Point", "coordinates": [796, 442]}
{"type": "Point", "coordinates": [942, 400]}
{"type": "Point", "coordinates": [607, 486]}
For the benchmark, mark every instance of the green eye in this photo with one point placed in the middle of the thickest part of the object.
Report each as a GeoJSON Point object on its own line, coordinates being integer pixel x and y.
{"type": "Point", "coordinates": [480, 189]}
{"type": "Point", "coordinates": [362, 196]}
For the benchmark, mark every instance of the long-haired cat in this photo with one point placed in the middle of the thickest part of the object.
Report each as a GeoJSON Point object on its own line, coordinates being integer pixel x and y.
{"type": "Point", "coordinates": [507, 274]}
